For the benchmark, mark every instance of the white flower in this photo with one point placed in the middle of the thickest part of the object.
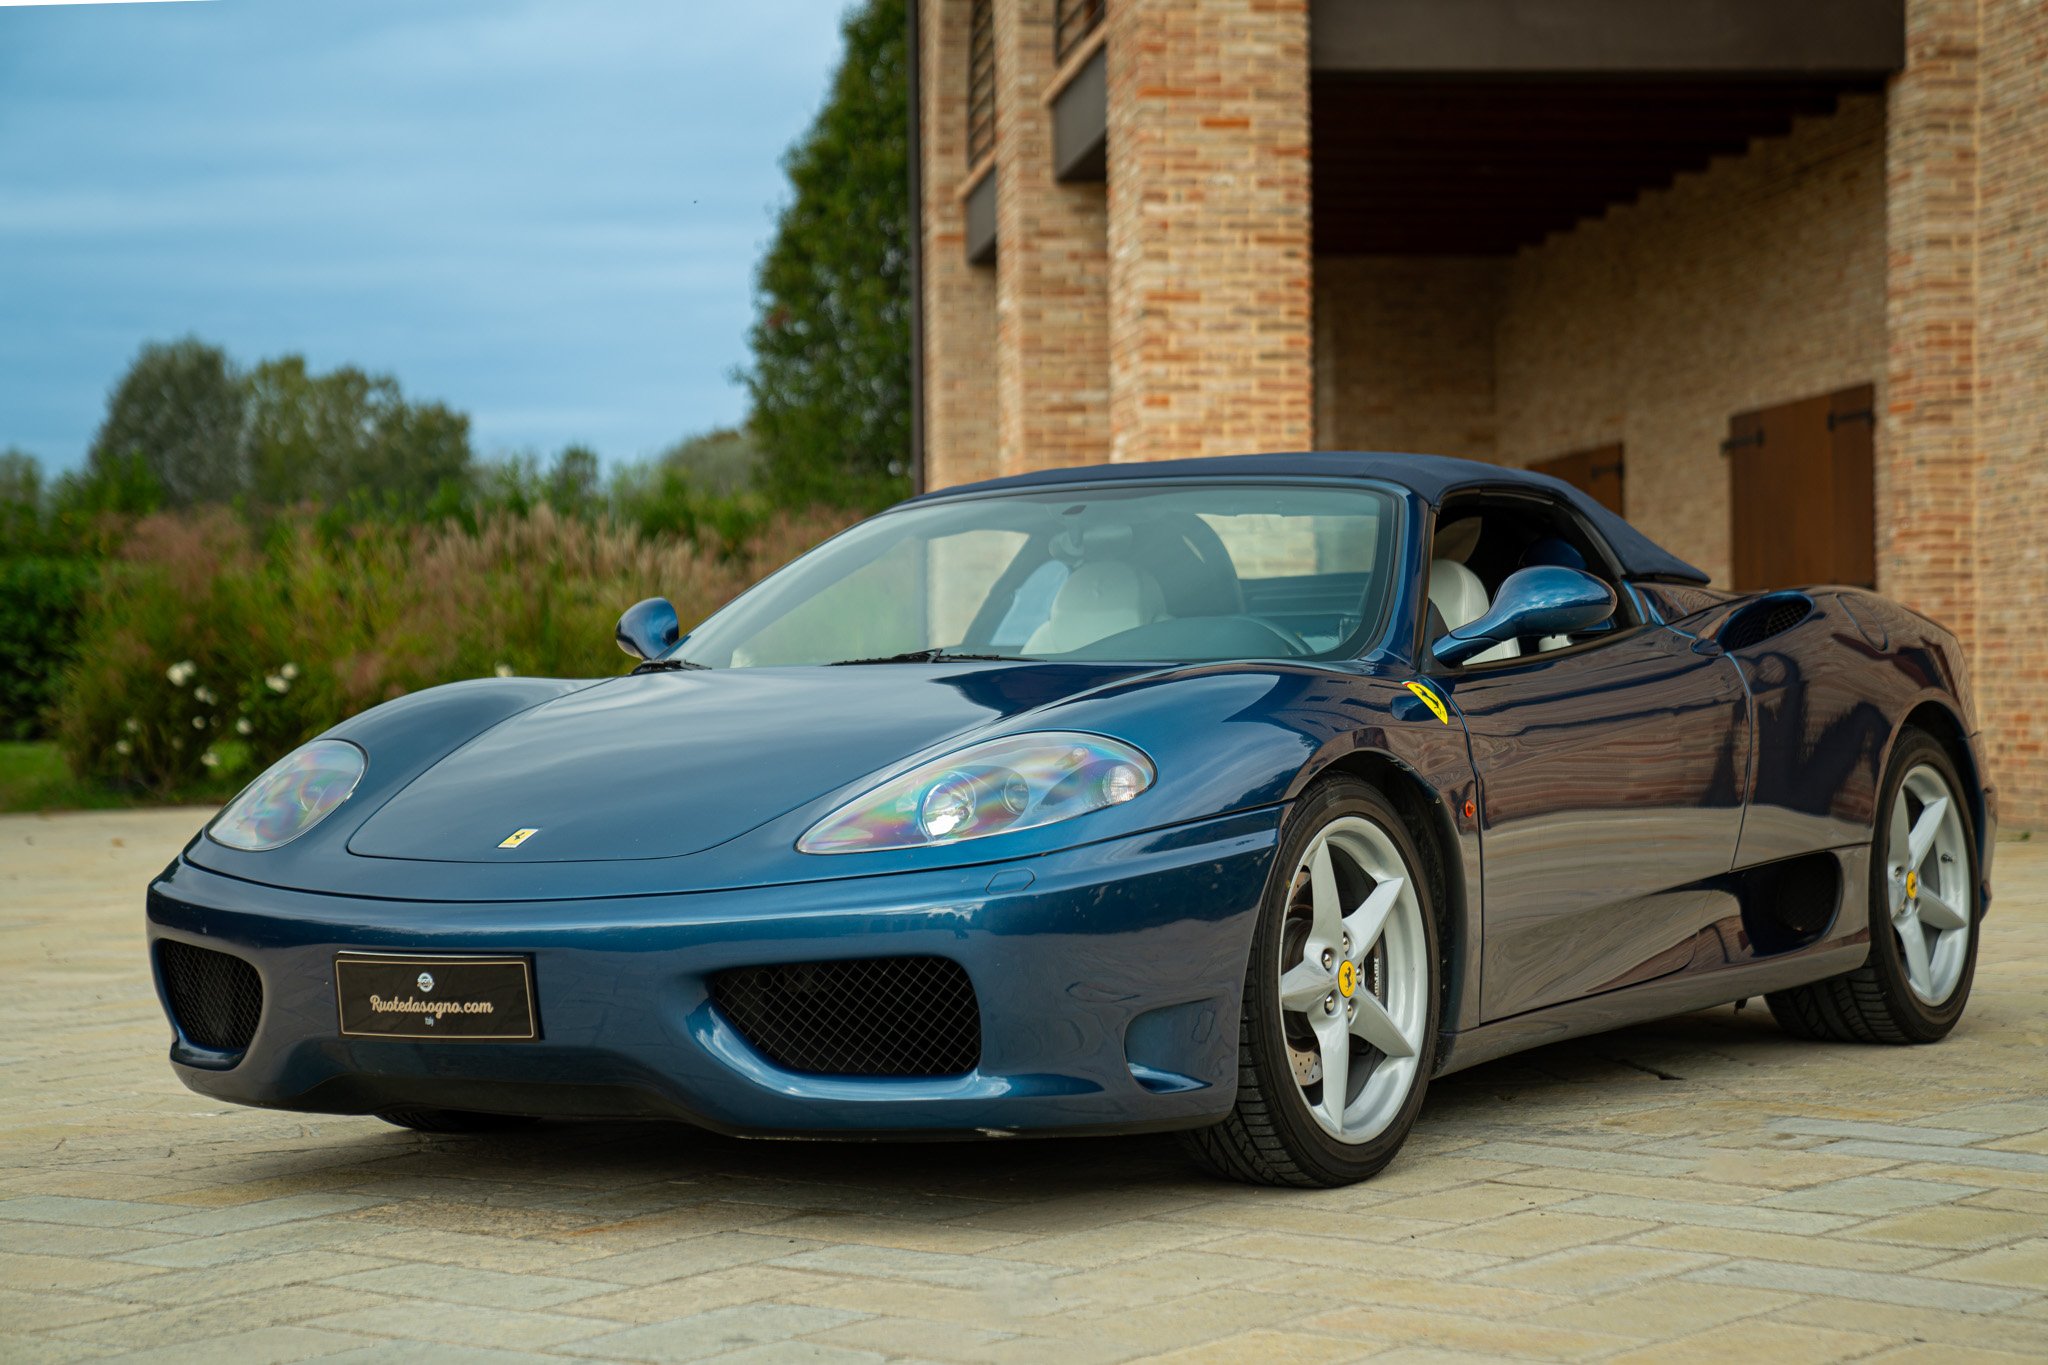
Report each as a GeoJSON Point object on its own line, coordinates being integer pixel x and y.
{"type": "Point", "coordinates": [289, 672]}
{"type": "Point", "coordinates": [278, 683]}
{"type": "Point", "coordinates": [204, 696]}
{"type": "Point", "coordinates": [199, 722]}
{"type": "Point", "coordinates": [503, 670]}
{"type": "Point", "coordinates": [124, 748]}
{"type": "Point", "coordinates": [181, 672]}
{"type": "Point", "coordinates": [132, 726]}
{"type": "Point", "coordinates": [243, 726]}
{"type": "Point", "coordinates": [210, 759]}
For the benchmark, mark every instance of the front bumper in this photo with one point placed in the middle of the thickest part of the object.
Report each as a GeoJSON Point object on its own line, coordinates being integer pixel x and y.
{"type": "Point", "coordinates": [1109, 979]}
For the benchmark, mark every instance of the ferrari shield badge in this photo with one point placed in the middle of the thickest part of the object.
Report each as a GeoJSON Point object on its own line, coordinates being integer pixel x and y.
{"type": "Point", "coordinates": [1432, 701]}
{"type": "Point", "coordinates": [517, 837]}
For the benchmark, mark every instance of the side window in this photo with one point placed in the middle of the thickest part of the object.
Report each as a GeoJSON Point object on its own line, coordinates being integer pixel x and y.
{"type": "Point", "coordinates": [1480, 542]}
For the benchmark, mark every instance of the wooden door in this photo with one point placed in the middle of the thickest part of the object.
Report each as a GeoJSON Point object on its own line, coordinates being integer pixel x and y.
{"type": "Point", "coordinates": [1598, 472]}
{"type": "Point", "coordinates": [1802, 492]}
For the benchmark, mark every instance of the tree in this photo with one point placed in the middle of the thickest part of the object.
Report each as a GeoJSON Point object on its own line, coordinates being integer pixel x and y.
{"type": "Point", "coordinates": [176, 413]}
{"type": "Point", "coordinates": [346, 438]}
{"type": "Point", "coordinates": [21, 502]}
{"type": "Point", "coordinates": [831, 340]}
{"type": "Point", "coordinates": [572, 486]}
{"type": "Point", "coordinates": [720, 462]}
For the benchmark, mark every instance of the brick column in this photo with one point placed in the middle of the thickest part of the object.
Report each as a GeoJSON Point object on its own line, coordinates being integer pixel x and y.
{"type": "Point", "coordinates": [1927, 451]}
{"type": "Point", "coordinates": [959, 299]}
{"type": "Point", "coordinates": [1210, 318]}
{"type": "Point", "coordinates": [2012, 406]}
{"type": "Point", "coordinates": [1052, 268]}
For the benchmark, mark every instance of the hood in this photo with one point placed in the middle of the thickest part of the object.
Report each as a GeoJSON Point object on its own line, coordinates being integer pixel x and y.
{"type": "Point", "coordinates": [659, 765]}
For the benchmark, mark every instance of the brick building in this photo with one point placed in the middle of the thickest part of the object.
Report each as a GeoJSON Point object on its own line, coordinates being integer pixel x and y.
{"type": "Point", "coordinates": [1770, 277]}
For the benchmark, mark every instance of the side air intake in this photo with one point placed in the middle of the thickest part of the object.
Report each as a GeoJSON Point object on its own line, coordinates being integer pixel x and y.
{"type": "Point", "coordinates": [1765, 617]}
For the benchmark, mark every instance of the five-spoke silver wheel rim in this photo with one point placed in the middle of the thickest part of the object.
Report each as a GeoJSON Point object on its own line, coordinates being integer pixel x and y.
{"type": "Point", "coordinates": [1354, 979]}
{"type": "Point", "coordinates": [1927, 884]}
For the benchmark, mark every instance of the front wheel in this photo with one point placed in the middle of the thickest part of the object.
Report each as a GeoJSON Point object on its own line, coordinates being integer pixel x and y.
{"type": "Point", "coordinates": [1338, 1032]}
{"type": "Point", "coordinates": [1924, 907]}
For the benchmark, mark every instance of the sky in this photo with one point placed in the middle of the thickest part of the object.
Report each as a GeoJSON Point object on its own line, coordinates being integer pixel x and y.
{"type": "Point", "coordinates": [545, 213]}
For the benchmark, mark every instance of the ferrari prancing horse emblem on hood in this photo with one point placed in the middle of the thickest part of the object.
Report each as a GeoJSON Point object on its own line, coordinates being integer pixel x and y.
{"type": "Point", "coordinates": [517, 837]}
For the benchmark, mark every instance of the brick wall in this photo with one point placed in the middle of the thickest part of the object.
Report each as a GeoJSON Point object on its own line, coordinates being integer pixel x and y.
{"type": "Point", "coordinates": [1052, 268]}
{"type": "Point", "coordinates": [959, 299]}
{"type": "Point", "coordinates": [1757, 281]}
{"type": "Point", "coordinates": [1209, 228]}
{"type": "Point", "coordinates": [1404, 353]}
{"type": "Point", "coordinates": [1928, 442]}
{"type": "Point", "coordinates": [2011, 542]}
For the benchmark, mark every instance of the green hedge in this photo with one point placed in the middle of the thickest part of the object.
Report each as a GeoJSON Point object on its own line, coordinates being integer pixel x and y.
{"type": "Point", "coordinates": [41, 600]}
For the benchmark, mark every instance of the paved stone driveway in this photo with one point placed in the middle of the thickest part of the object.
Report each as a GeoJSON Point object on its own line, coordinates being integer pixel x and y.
{"type": "Point", "coordinates": [1702, 1189]}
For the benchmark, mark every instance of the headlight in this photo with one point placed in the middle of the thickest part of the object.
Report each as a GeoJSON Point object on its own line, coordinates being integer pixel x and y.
{"type": "Point", "coordinates": [297, 793]}
{"type": "Point", "coordinates": [994, 787]}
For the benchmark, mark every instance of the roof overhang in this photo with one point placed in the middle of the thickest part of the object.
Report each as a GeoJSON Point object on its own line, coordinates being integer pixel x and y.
{"type": "Point", "coordinates": [1477, 127]}
{"type": "Point", "coordinates": [1749, 38]}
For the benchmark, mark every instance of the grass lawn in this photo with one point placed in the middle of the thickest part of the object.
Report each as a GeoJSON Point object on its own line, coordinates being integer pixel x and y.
{"type": "Point", "coordinates": [33, 778]}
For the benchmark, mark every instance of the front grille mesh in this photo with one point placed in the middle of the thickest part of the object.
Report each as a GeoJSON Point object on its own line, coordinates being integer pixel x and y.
{"type": "Point", "coordinates": [879, 1016]}
{"type": "Point", "coordinates": [215, 998]}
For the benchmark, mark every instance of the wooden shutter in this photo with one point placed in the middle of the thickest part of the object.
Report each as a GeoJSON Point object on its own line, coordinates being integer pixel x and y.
{"type": "Point", "coordinates": [981, 80]}
{"type": "Point", "coordinates": [1802, 498]}
{"type": "Point", "coordinates": [1073, 20]}
{"type": "Point", "coordinates": [1597, 472]}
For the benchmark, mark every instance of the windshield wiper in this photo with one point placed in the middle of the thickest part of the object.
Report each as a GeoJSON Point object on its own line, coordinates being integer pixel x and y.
{"type": "Point", "coordinates": [667, 666]}
{"type": "Point", "coordinates": [925, 656]}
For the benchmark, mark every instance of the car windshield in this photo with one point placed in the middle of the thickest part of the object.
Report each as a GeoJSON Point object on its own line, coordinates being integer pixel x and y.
{"type": "Point", "coordinates": [1154, 574]}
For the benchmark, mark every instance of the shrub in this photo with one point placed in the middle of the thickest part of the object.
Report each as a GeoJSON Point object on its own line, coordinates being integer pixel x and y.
{"type": "Point", "coordinates": [213, 651]}
{"type": "Point", "coordinates": [40, 600]}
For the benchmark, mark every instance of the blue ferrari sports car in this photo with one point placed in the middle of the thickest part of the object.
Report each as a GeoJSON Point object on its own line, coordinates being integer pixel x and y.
{"type": "Point", "coordinates": [1235, 796]}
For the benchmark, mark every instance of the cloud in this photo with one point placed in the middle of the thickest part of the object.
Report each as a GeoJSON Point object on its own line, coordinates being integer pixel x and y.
{"type": "Point", "coordinates": [545, 213]}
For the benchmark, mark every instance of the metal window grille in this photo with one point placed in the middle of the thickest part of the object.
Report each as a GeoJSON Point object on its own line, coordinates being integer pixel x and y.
{"type": "Point", "coordinates": [981, 81]}
{"type": "Point", "coordinates": [1072, 21]}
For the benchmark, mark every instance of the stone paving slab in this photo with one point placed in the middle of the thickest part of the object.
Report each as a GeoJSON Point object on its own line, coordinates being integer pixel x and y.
{"type": "Point", "coordinates": [1703, 1188]}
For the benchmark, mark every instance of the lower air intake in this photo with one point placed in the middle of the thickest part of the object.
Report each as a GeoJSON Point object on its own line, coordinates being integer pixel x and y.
{"type": "Point", "coordinates": [215, 998]}
{"type": "Point", "coordinates": [877, 1016]}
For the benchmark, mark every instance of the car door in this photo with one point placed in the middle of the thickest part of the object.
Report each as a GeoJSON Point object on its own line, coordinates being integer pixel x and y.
{"type": "Point", "coordinates": [1611, 778]}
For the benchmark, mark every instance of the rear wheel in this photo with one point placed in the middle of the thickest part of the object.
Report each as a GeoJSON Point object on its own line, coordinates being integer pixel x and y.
{"type": "Point", "coordinates": [1338, 1032]}
{"type": "Point", "coordinates": [1923, 916]}
{"type": "Point", "coordinates": [423, 1120]}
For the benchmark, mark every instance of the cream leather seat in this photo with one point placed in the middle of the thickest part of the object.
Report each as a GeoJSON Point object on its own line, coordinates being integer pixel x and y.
{"type": "Point", "coordinates": [1460, 598]}
{"type": "Point", "coordinates": [1097, 601]}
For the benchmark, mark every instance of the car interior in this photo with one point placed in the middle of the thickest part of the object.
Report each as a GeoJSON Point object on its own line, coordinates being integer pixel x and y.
{"type": "Point", "coordinates": [1164, 584]}
{"type": "Point", "coordinates": [1482, 540]}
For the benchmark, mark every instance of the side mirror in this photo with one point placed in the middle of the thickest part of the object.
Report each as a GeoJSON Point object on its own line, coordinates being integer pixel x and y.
{"type": "Point", "coordinates": [649, 629]}
{"type": "Point", "coordinates": [1545, 600]}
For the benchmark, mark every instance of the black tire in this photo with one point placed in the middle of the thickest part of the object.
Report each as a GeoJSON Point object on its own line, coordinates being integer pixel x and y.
{"type": "Point", "coordinates": [423, 1120]}
{"type": "Point", "coordinates": [1873, 1003]}
{"type": "Point", "coordinates": [1270, 1137]}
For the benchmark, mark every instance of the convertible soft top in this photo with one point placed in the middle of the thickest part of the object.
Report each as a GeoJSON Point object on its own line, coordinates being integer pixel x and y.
{"type": "Point", "coordinates": [1432, 477]}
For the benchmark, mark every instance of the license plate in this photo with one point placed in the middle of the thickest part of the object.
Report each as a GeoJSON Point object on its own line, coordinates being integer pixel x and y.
{"type": "Point", "coordinates": [435, 997]}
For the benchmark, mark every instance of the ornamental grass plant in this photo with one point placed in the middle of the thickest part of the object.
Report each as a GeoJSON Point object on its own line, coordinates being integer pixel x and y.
{"type": "Point", "coordinates": [211, 646]}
